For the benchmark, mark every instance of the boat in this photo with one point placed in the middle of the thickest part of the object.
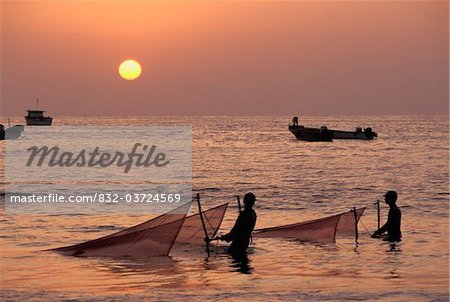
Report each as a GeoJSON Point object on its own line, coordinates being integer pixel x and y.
{"type": "Point", "coordinates": [13, 132]}
{"type": "Point", "coordinates": [367, 134]}
{"type": "Point", "coordinates": [323, 134]}
{"type": "Point", "coordinates": [311, 134]}
{"type": "Point", "coordinates": [37, 118]}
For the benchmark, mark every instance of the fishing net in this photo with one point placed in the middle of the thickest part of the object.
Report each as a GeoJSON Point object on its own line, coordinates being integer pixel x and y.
{"type": "Point", "coordinates": [192, 229]}
{"type": "Point", "coordinates": [318, 230]}
{"type": "Point", "coordinates": [346, 224]}
{"type": "Point", "coordinates": [154, 237]}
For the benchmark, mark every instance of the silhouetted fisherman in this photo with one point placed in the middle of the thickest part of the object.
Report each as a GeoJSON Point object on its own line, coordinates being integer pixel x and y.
{"type": "Point", "coordinates": [393, 224]}
{"type": "Point", "coordinates": [241, 232]}
{"type": "Point", "coordinates": [295, 121]}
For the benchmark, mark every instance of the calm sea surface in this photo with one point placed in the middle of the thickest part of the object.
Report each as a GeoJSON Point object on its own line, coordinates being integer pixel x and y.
{"type": "Point", "coordinates": [293, 181]}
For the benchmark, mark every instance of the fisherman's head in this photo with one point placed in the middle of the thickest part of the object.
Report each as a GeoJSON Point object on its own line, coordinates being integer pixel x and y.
{"type": "Point", "coordinates": [249, 200]}
{"type": "Point", "coordinates": [390, 197]}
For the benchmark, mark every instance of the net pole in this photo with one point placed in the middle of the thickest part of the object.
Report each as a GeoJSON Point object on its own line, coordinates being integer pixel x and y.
{"type": "Point", "coordinates": [378, 214]}
{"type": "Point", "coordinates": [203, 224]}
{"type": "Point", "coordinates": [239, 203]}
{"type": "Point", "coordinates": [356, 225]}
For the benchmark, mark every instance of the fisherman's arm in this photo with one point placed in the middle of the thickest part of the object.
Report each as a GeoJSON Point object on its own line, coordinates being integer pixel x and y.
{"type": "Point", "coordinates": [384, 228]}
{"type": "Point", "coordinates": [235, 230]}
{"type": "Point", "coordinates": [381, 230]}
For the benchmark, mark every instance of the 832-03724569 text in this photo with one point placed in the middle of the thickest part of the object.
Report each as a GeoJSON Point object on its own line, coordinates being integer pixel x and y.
{"type": "Point", "coordinates": [96, 197]}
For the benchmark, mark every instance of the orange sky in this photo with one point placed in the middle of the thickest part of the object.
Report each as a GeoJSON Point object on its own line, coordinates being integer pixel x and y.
{"type": "Point", "coordinates": [226, 58]}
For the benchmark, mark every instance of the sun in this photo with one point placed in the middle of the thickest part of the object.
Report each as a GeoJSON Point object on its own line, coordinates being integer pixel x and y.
{"type": "Point", "coordinates": [130, 70]}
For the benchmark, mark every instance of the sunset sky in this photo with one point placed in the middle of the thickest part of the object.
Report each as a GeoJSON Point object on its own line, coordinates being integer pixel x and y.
{"type": "Point", "coordinates": [226, 58]}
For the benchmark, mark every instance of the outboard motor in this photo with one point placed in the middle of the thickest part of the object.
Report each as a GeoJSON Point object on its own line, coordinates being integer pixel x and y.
{"type": "Point", "coordinates": [368, 132]}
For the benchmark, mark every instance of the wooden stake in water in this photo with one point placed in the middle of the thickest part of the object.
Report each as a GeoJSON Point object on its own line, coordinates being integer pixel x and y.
{"type": "Point", "coordinates": [203, 224]}
{"type": "Point", "coordinates": [356, 225]}
{"type": "Point", "coordinates": [378, 214]}
{"type": "Point", "coordinates": [239, 203]}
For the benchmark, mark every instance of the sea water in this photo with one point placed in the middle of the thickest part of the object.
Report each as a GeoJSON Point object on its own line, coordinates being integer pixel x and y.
{"type": "Point", "coordinates": [293, 181]}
